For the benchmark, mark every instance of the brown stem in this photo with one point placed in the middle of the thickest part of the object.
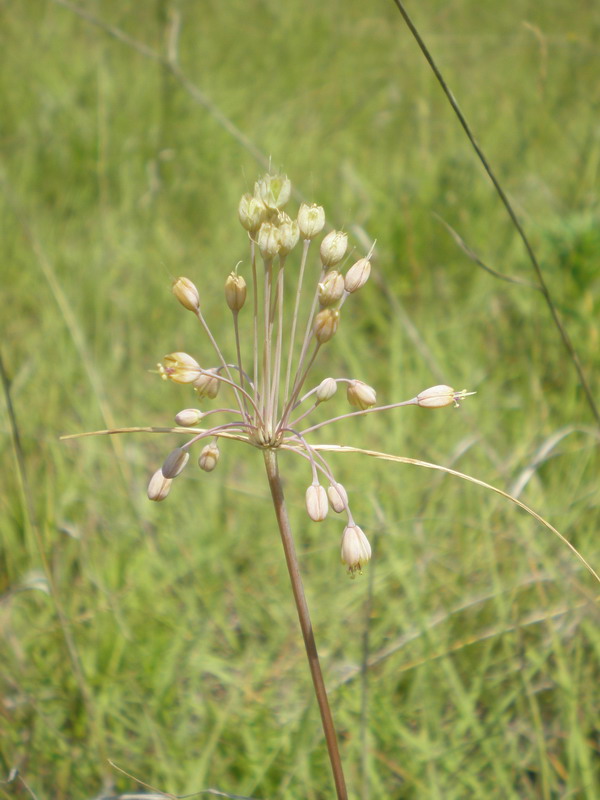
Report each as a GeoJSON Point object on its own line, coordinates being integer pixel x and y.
{"type": "Point", "coordinates": [305, 623]}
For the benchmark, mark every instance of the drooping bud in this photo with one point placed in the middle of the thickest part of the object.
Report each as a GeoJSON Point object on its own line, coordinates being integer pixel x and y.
{"type": "Point", "coordinates": [316, 502]}
{"type": "Point", "coordinates": [207, 384]}
{"type": "Point", "coordinates": [326, 324]}
{"type": "Point", "coordinates": [357, 275]}
{"type": "Point", "coordinates": [355, 550]}
{"type": "Point", "coordinates": [311, 220]}
{"type": "Point", "coordinates": [187, 294]}
{"type": "Point", "coordinates": [326, 389]}
{"type": "Point", "coordinates": [252, 212]}
{"type": "Point", "coordinates": [361, 395]}
{"type": "Point", "coordinates": [338, 497]}
{"type": "Point", "coordinates": [273, 190]}
{"type": "Point", "coordinates": [437, 397]}
{"type": "Point", "coordinates": [331, 289]}
{"type": "Point", "coordinates": [288, 235]}
{"type": "Point", "coordinates": [175, 462]}
{"type": "Point", "coordinates": [268, 240]}
{"type": "Point", "coordinates": [333, 248]}
{"type": "Point", "coordinates": [188, 417]}
{"type": "Point", "coordinates": [209, 457]}
{"type": "Point", "coordinates": [179, 368]}
{"type": "Point", "coordinates": [235, 291]}
{"type": "Point", "coordinates": [159, 486]}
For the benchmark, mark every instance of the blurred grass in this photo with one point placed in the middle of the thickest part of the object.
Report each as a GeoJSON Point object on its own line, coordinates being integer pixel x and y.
{"type": "Point", "coordinates": [482, 629]}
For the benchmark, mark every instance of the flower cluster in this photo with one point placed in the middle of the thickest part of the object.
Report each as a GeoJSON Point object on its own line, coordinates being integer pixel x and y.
{"type": "Point", "coordinates": [286, 330]}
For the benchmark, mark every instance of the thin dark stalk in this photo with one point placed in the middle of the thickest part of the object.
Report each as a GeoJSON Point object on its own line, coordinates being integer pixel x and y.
{"type": "Point", "coordinates": [566, 339]}
{"type": "Point", "coordinates": [291, 558]}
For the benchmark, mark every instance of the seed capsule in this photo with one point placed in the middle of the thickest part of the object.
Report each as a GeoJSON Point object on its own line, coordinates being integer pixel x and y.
{"type": "Point", "coordinates": [326, 324]}
{"type": "Point", "coordinates": [316, 502]}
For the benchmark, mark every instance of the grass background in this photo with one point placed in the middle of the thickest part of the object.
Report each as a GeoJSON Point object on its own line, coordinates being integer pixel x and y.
{"type": "Point", "coordinates": [480, 627]}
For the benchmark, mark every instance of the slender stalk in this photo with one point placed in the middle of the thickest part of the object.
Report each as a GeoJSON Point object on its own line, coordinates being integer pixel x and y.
{"type": "Point", "coordinates": [291, 558]}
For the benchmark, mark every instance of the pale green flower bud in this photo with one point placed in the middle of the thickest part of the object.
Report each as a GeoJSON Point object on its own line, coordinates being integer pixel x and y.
{"type": "Point", "coordinates": [333, 248]}
{"type": "Point", "coordinates": [252, 212]}
{"type": "Point", "coordinates": [179, 368]}
{"type": "Point", "coordinates": [188, 417]}
{"type": "Point", "coordinates": [288, 235]}
{"type": "Point", "coordinates": [316, 502]}
{"type": "Point", "coordinates": [326, 324]}
{"type": "Point", "coordinates": [355, 550]}
{"type": "Point", "coordinates": [311, 220]}
{"type": "Point", "coordinates": [331, 288]}
{"type": "Point", "coordinates": [175, 462]}
{"type": "Point", "coordinates": [338, 497]}
{"type": "Point", "coordinates": [273, 190]}
{"type": "Point", "coordinates": [159, 486]}
{"type": "Point", "coordinates": [187, 294]}
{"type": "Point", "coordinates": [361, 395]}
{"type": "Point", "coordinates": [357, 275]}
{"type": "Point", "coordinates": [235, 291]}
{"type": "Point", "coordinates": [209, 457]}
{"type": "Point", "coordinates": [326, 389]}
{"type": "Point", "coordinates": [207, 384]}
{"type": "Point", "coordinates": [268, 240]}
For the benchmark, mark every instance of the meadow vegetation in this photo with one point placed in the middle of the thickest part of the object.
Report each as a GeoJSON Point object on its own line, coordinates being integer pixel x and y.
{"type": "Point", "coordinates": [174, 650]}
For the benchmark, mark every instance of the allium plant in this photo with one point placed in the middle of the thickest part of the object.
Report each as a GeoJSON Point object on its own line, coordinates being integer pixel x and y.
{"type": "Point", "coordinates": [290, 311]}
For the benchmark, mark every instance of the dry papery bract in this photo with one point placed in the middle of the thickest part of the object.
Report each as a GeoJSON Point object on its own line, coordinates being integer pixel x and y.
{"type": "Point", "coordinates": [298, 291]}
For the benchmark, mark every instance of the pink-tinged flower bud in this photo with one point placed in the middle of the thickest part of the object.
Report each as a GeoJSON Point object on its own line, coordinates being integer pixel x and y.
{"type": "Point", "coordinates": [159, 486]}
{"type": "Point", "coordinates": [357, 275]}
{"type": "Point", "coordinates": [333, 248]}
{"type": "Point", "coordinates": [437, 397]}
{"type": "Point", "coordinates": [326, 389]}
{"type": "Point", "coordinates": [175, 462]}
{"type": "Point", "coordinates": [268, 240]}
{"type": "Point", "coordinates": [235, 291]}
{"type": "Point", "coordinates": [326, 324]}
{"type": "Point", "coordinates": [331, 289]}
{"type": "Point", "coordinates": [356, 550]}
{"type": "Point", "coordinates": [361, 395]}
{"type": "Point", "coordinates": [187, 294]}
{"type": "Point", "coordinates": [252, 212]}
{"type": "Point", "coordinates": [209, 457]}
{"type": "Point", "coordinates": [273, 190]}
{"type": "Point", "coordinates": [316, 502]}
{"type": "Point", "coordinates": [311, 220]}
{"type": "Point", "coordinates": [207, 384]}
{"type": "Point", "coordinates": [338, 497]}
{"type": "Point", "coordinates": [188, 417]}
{"type": "Point", "coordinates": [288, 235]}
{"type": "Point", "coordinates": [179, 368]}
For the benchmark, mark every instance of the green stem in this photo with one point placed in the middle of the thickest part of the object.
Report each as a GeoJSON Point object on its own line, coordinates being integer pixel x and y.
{"type": "Point", "coordinates": [291, 558]}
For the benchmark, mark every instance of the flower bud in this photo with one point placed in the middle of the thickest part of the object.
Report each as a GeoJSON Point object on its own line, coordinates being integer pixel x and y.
{"type": "Point", "coordinates": [326, 389]}
{"type": "Point", "coordinates": [268, 240]}
{"type": "Point", "coordinates": [361, 395]}
{"type": "Point", "coordinates": [273, 190]}
{"type": "Point", "coordinates": [316, 502]}
{"type": "Point", "coordinates": [357, 275]}
{"type": "Point", "coordinates": [179, 368]}
{"type": "Point", "coordinates": [187, 294]}
{"type": "Point", "coordinates": [175, 462]}
{"type": "Point", "coordinates": [252, 212]}
{"type": "Point", "coordinates": [356, 549]}
{"type": "Point", "coordinates": [326, 324]}
{"type": "Point", "coordinates": [209, 457]}
{"type": "Point", "coordinates": [207, 384]}
{"type": "Point", "coordinates": [338, 497]}
{"type": "Point", "coordinates": [235, 291]}
{"type": "Point", "coordinates": [333, 248]}
{"type": "Point", "coordinates": [288, 235]}
{"type": "Point", "coordinates": [159, 486]}
{"type": "Point", "coordinates": [311, 220]}
{"type": "Point", "coordinates": [188, 417]}
{"type": "Point", "coordinates": [437, 397]}
{"type": "Point", "coordinates": [331, 288]}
